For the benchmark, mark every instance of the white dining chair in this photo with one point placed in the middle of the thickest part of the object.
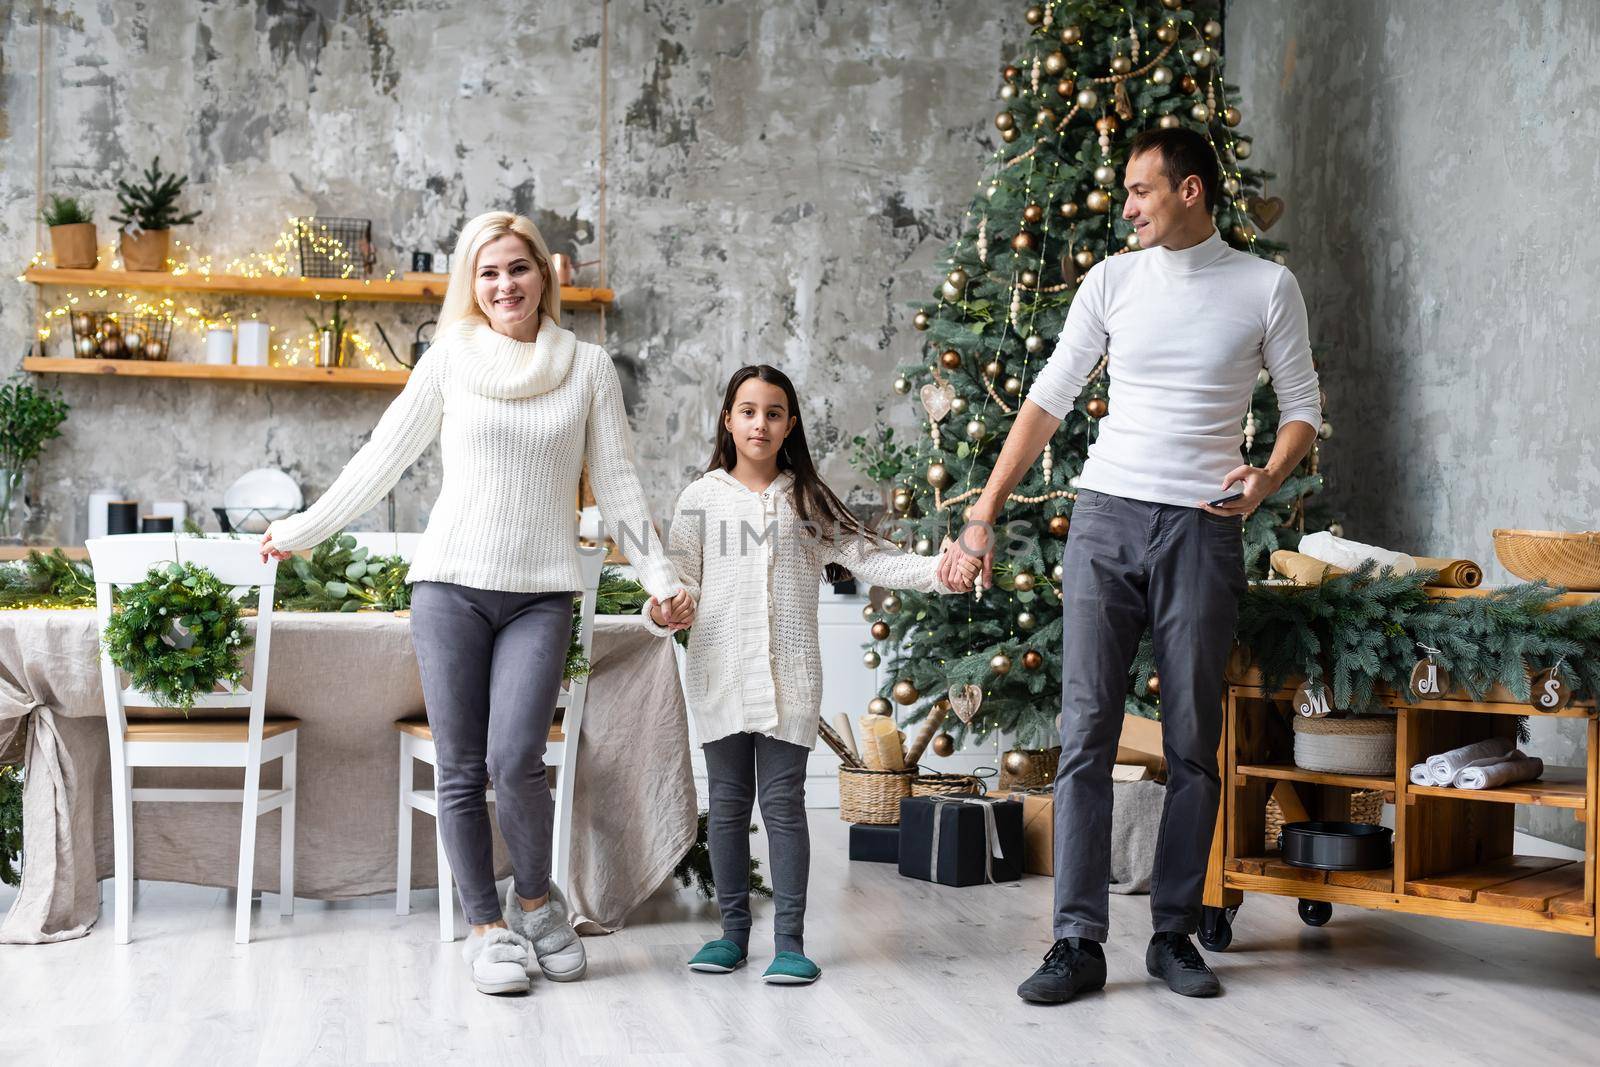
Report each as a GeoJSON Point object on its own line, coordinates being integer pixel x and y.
{"type": "Point", "coordinates": [561, 753]}
{"type": "Point", "coordinates": [199, 739]}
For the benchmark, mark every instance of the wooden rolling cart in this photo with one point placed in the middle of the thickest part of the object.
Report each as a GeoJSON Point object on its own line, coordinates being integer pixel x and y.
{"type": "Point", "coordinates": [1453, 848]}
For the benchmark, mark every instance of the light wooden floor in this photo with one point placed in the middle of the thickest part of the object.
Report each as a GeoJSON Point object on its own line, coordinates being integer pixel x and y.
{"type": "Point", "coordinates": [913, 972]}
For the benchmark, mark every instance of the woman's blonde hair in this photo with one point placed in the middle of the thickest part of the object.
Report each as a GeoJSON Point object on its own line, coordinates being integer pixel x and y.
{"type": "Point", "coordinates": [460, 298]}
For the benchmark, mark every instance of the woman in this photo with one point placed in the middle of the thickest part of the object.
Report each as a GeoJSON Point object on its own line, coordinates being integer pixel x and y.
{"type": "Point", "coordinates": [521, 406]}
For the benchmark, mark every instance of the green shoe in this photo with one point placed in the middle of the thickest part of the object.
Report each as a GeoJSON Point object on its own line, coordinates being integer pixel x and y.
{"type": "Point", "coordinates": [791, 968]}
{"type": "Point", "coordinates": [718, 957]}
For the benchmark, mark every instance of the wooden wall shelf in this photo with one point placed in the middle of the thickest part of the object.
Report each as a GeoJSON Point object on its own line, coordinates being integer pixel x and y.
{"type": "Point", "coordinates": [398, 290]}
{"type": "Point", "coordinates": [145, 368]}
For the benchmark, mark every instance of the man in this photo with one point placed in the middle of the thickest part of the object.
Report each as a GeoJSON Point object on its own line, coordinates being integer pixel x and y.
{"type": "Point", "coordinates": [1156, 535]}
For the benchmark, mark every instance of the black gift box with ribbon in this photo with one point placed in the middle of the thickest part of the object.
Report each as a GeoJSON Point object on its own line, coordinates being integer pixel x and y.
{"type": "Point", "coordinates": [875, 844]}
{"type": "Point", "coordinates": [961, 840]}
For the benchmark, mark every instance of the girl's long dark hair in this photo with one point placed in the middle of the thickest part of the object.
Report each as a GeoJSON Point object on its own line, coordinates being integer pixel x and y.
{"type": "Point", "coordinates": [814, 502]}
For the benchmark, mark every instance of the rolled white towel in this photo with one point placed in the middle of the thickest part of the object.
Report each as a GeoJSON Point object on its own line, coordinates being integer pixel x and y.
{"type": "Point", "coordinates": [1444, 766]}
{"type": "Point", "coordinates": [1352, 554]}
{"type": "Point", "coordinates": [1505, 772]}
{"type": "Point", "coordinates": [1420, 775]}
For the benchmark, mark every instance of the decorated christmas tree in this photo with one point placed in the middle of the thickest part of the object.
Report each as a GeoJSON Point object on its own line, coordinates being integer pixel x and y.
{"type": "Point", "coordinates": [1090, 75]}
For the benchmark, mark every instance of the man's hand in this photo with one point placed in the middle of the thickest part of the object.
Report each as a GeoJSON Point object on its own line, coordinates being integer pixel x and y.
{"type": "Point", "coordinates": [975, 545]}
{"type": "Point", "coordinates": [1256, 485]}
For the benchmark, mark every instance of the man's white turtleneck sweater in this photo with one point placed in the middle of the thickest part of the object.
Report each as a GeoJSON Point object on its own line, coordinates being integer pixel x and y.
{"type": "Point", "coordinates": [517, 421]}
{"type": "Point", "coordinates": [1186, 333]}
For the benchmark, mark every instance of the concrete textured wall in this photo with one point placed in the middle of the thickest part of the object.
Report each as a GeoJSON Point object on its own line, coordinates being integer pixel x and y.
{"type": "Point", "coordinates": [781, 176]}
{"type": "Point", "coordinates": [1439, 162]}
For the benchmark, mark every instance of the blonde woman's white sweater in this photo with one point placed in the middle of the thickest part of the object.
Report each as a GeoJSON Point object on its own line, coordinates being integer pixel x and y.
{"type": "Point", "coordinates": [517, 422]}
{"type": "Point", "coordinates": [754, 664]}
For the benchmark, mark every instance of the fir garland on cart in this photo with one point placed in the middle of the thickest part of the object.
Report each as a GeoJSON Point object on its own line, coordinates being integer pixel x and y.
{"type": "Point", "coordinates": [178, 634]}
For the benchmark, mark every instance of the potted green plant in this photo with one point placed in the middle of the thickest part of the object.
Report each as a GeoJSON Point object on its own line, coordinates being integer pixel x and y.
{"type": "Point", "coordinates": [29, 417]}
{"type": "Point", "coordinates": [331, 337]}
{"type": "Point", "coordinates": [73, 242]}
{"type": "Point", "coordinates": [149, 211]}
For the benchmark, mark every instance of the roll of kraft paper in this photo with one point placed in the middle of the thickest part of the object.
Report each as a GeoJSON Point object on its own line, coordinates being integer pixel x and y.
{"type": "Point", "coordinates": [885, 741]}
{"type": "Point", "coordinates": [1303, 569]}
{"type": "Point", "coordinates": [868, 745]}
{"type": "Point", "coordinates": [1453, 573]}
{"type": "Point", "coordinates": [930, 725]}
{"type": "Point", "coordinates": [841, 724]}
{"type": "Point", "coordinates": [846, 755]}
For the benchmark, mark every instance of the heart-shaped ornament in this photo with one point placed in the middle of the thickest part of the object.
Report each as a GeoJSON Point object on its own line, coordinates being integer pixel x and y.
{"type": "Point", "coordinates": [1266, 210]}
{"type": "Point", "coordinates": [936, 400]}
{"type": "Point", "coordinates": [965, 702]}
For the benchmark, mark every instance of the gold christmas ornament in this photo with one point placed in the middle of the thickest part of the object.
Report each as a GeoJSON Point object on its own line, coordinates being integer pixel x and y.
{"type": "Point", "coordinates": [1009, 73]}
{"type": "Point", "coordinates": [905, 693]}
{"type": "Point", "coordinates": [994, 368]}
{"type": "Point", "coordinates": [1032, 660]}
{"type": "Point", "coordinates": [1026, 621]}
{"type": "Point", "coordinates": [920, 320]}
{"type": "Point", "coordinates": [1161, 76]}
{"type": "Point", "coordinates": [943, 744]}
{"type": "Point", "coordinates": [1008, 136]}
{"type": "Point", "coordinates": [1166, 33]}
{"type": "Point", "coordinates": [1188, 84]}
{"type": "Point", "coordinates": [902, 500]}
{"type": "Point", "coordinates": [1034, 15]}
{"type": "Point", "coordinates": [938, 476]}
{"type": "Point", "coordinates": [1106, 124]}
{"type": "Point", "coordinates": [879, 706]}
{"type": "Point", "coordinates": [1154, 685]}
{"type": "Point", "coordinates": [1121, 64]}
{"type": "Point", "coordinates": [1028, 278]}
{"type": "Point", "coordinates": [1013, 386]}
{"type": "Point", "coordinates": [950, 359]}
{"type": "Point", "coordinates": [1172, 5]}
{"type": "Point", "coordinates": [1069, 210]}
{"type": "Point", "coordinates": [1099, 201]}
{"type": "Point", "coordinates": [891, 604]}
{"type": "Point", "coordinates": [1044, 117]}
{"type": "Point", "coordinates": [1022, 242]}
{"type": "Point", "coordinates": [1241, 149]}
{"type": "Point", "coordinates": [1015, 762]}
{"type": "Point", "coordinates": [1088, 99]}
{"type": "Point", "coordinates": [957, 278]}
{"type": "Point", "coordinates": [1032, 213]}
{"type": "Point", "coordinates": [1066, 87]}
{"type": "Point", "coordinates": [1033, 343]}
{"type": "Point", "coordinates": [923, 546]}
{"type": "Point", "coordinates": [1105, 174]}
{"type": "Point", "coordinates": [1212, 29]}
{"type": "Point", "coordinates": [976, 429]}
{"type": "Point", "coordinates": [1325, 431]}
{"type": "Point", "coordinates": [958, 405]}
{"type": "Point", "coordinates": [1056, 572]}
{"type": "Point", "coordinates": [1132, 241]}
{"type": "Point", "coordinates": [1231, 185]}
{"type": "Point", "coordinates": [871, 659]}
{"type": "Point", "coordinates": [880, 630]}
{"type": "Point", "coordinates": [1004, 121]}
{"type": "Point", "coordinates": [1096, 407]}
{"type": "Point", "coordinates": [1168, 122]}
{"type": "Point", "coordinates": [1083, 258]}
{"type": "Point", "coordinates": [902, 386]}
{"type": "Point", "coordinates": [1023, 581]}
{"type": "Point", "coordinates": [1231, 116]}
{"type": "Point", "coordinates": [1058, 526]}
{"type": "Point", "coordinates": [1203, 57]}
{"type": "Point", "coordinates": [1000, 663]}
{"type": "Point", "coordinates": [1336, 529]}
{"type": "Point", "coordinates": [1008, 91]}
{"type": "Point", "coordinates": [1054, 64]}
{"type": "Point", "coordinates": [1071, 36]}
{"type": "Point", "coordinates": [1200, 113]}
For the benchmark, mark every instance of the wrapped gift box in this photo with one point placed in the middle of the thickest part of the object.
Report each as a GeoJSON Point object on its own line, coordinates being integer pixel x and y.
{"type": "Point", "coordinates": [1038, 830]}
{"type": "Point", "coordinates": [961, 840]}
{"type": "Point", "coordinates": [875, 844]}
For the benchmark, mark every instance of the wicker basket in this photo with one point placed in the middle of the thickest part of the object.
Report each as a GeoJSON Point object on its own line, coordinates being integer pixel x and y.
{"type": "Point", "coordinates": [1366, 806]}
{"type": "Point", "coordinates": [1571, 560]}
{"type": "Point", "coordinates": [1363, 745]}
{"type": "Point", "coordinates": [873, 797]}
{"type": "Point", "coordinates": [942, 785]}
{"type": "Point", "coordinates": [1040, 769]}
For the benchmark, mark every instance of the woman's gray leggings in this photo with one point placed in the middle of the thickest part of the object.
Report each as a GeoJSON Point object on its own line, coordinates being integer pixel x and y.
{"type": "Point", "coordinates": [491, 666]}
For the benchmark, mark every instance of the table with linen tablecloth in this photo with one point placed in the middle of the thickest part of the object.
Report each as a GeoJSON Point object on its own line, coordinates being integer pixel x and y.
{"type": "Point", "coordinates": [347, 678]}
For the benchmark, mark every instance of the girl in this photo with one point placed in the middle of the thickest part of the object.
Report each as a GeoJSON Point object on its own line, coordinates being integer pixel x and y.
{"type": "Point", "coordinates": [521, 406]}
{"type": "Point", "coordinates": [751, 539]}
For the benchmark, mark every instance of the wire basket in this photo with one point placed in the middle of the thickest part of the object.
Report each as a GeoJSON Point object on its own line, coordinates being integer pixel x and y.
{"type": "Point", "coordinates": [117, 335]}
{"type": "Point", "coordinates": [873, 797]}
{"type": "Point", "coordinates": [334, 247]}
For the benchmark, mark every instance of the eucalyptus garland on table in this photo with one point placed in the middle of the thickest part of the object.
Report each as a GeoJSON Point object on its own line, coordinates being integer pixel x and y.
{"type": "Point", "coordinates": [178, 634]}
{"type": "Point", "coordinates": [339, 576]}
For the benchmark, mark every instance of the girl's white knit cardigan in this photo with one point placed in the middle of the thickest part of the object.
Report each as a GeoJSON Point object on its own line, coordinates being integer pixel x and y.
{"type": "Point", "coordinates": [753, 658]}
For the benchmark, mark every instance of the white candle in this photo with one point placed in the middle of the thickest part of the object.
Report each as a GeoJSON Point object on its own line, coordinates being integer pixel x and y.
{"type": "Point", "coordinates": [255, 342]}
{"type": "Point", "coordinates": [219, 345]}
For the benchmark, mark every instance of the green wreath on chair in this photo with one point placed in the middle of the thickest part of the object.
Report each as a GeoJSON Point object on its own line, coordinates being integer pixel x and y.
{"type": "Point", "coordinates": [177, 634]}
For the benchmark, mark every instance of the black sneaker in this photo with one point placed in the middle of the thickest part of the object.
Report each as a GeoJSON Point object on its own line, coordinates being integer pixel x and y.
{"type": "Point", "coordinates": [1072, 966]}
{"type": "Point", "coordinates": [1173, 959]}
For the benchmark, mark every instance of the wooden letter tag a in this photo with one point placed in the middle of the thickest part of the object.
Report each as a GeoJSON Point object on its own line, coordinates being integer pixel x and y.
{"type": "Point", "coordinates": [1428, 679]}
{"type": "Point", "coordinates": [1313, 701]}
{"type": "Point", "coordinates": [1549, 693]}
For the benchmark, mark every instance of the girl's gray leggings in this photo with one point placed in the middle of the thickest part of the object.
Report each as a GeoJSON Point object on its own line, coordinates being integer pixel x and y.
{"type": "Point", "coordinates": [491, 665]}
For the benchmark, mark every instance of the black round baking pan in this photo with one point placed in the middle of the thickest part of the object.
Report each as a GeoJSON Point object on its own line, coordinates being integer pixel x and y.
{"type": "Point", "coordinates": [1336, 846]}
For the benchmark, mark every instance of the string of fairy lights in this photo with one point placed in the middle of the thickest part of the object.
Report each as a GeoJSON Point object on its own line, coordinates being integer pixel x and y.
{"type": "Point", "coordinates": [300, 236]}
{"type": "Point", "coordinates": [1184, 43]}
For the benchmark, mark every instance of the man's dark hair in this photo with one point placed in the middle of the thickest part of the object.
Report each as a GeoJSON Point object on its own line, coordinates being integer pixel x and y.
{"type": "Point", "coordinates": [1183, 152]}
